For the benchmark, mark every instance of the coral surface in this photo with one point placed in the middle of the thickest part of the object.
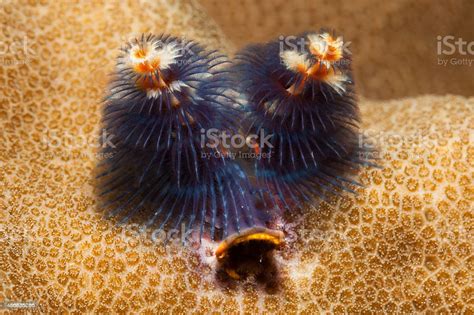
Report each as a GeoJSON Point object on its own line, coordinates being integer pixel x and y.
{"type": "Point", "coordinates": [403, 244]}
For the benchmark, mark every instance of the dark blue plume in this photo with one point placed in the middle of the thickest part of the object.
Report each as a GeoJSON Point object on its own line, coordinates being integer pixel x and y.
{"type": "Point", "coordinates": [165, 95]}
{"type": "Point", "coordinates": [300, 90]}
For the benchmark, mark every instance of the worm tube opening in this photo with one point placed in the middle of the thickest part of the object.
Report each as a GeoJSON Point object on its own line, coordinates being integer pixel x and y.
{"type": "Point", "coordinates": [250, 253]}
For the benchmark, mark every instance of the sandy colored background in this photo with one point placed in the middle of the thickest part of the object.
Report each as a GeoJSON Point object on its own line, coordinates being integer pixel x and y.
{"type": "Point", "coordinates": [394, 43]}
{"type": "Point", "coordinates": [404, 244]}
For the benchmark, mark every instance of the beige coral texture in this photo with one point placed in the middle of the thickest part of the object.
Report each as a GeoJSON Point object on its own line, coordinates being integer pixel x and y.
{"type": "Point", "coordinates": [404, 244]}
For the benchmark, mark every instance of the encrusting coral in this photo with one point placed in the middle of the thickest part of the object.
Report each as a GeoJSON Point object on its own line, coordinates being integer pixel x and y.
{"type": "Point", "coordinates": [403, 244]}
